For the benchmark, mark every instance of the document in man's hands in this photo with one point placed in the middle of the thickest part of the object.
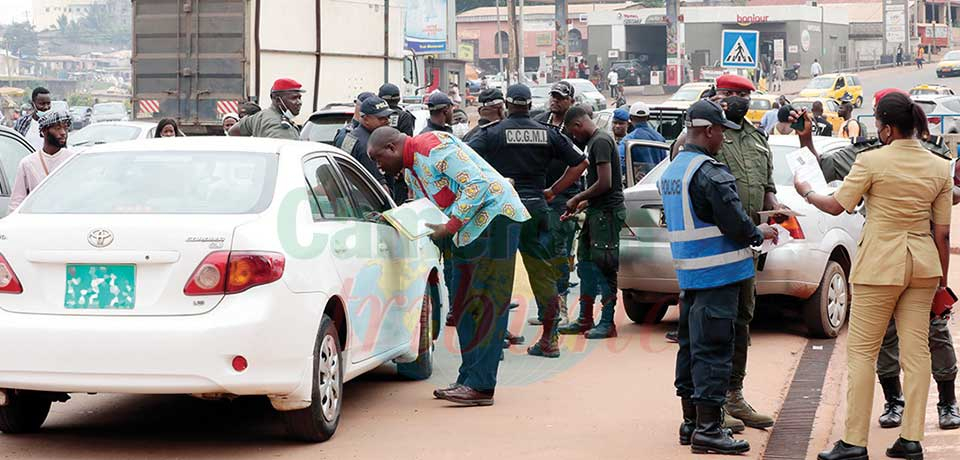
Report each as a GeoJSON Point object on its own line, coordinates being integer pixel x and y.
{"type": "Point", "coordinates": [411, 218]}
{"type": "Point", "coordinates": [806, 168]}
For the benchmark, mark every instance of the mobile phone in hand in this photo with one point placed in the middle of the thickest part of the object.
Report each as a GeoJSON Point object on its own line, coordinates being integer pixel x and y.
{"type": "Point", "coordinates": [798, 125]}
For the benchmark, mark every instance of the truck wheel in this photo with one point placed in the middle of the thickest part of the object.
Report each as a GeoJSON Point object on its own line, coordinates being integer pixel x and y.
{"type": "Point", "coordinates": [422, 368]}
{"type": "Point", "coordinates": [25, 411]}
{"type": "Point", "coordinates": [643, 312]}
{"type": "Point", "coordinates": [826, 310]}
{"type": "Point", "coordinates": [318, 422]}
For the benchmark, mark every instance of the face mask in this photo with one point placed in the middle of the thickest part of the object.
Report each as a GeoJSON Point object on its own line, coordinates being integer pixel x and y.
{"type": "Point", "coordinates": [286, 111]}
{"type": "Point", "coordinates": [460, 129]}
{"type": "Point", "coordinates": [41, 113]}
{"type": "Point", "coordinates": [737, 108]}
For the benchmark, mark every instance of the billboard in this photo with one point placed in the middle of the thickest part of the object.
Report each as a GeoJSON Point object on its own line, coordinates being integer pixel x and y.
{"type": "Point", "coordinates": [425, 30]}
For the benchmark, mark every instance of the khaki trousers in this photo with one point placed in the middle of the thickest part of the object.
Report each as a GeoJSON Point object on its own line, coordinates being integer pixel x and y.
{"type": "Point", "coordinates": [870, 312]}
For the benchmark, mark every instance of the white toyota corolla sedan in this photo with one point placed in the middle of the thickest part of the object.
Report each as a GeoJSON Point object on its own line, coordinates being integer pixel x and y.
{"type": "Point", "coordinates": [212, 267]}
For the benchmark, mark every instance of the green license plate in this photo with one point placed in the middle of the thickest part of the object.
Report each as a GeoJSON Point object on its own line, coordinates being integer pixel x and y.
{"type": "Point", "coordinates": [103, 287]}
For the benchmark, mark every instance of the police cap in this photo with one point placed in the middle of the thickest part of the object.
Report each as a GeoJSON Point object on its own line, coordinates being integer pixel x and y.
{"type": "Point", "coordinates": [735, 83]}
{"type": "Point", "coordinates": [389, 92]}
{"type": "Point", "coordinates": [705, 113]}
{"type": "Point", "coordinates": [438, 101]}
{"type": "Point", "coordinates": [374, 106]}
{"type": "Point", "coordinates": [490, 96]}
{"type": "Point", "coordinates": [563, 89]}
{"type": "Point", "coordinates": [363, 96]}
{"type": "Point", "coordinates": [519, 94]}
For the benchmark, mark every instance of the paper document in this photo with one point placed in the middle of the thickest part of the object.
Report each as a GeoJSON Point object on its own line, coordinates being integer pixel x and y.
{"type": "Point", "coordinates": [806, 168]}
{"type": "Point", "coordinates": [783, 237]}
{"type": "Point", "coordinates": [411, 218]}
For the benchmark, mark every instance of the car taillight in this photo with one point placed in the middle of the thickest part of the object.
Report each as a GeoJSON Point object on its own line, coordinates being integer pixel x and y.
{"type": "Point", "coordinates": [9, 283]}
{"type": "Point", "coordinates": [231, 272]}
{"type": "Point", "coordinates": [792, 225]}
{"type": "Point", "coordinates": [933, 120]}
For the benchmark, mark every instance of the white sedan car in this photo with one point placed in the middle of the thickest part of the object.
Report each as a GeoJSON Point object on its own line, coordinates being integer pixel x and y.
{"type": "Point", "coordinates": [812, 269]}
{"type": "Point", "coordinates": [106, 132]}
{"type": "Point", "coordinates": [212, 267]}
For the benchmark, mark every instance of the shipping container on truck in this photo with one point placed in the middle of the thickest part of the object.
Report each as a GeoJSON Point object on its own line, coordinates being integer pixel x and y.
{"type": "Point", "coordinates": [196, 60]}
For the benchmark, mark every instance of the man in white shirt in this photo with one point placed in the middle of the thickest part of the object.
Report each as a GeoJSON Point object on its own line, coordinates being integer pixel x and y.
{"type": "Point", "coordinates": [33, 168]}
{"type": "Point", "coordinates": [613, 79]}
{"type": "Point", "coordinates": [815, 69]}
{"type": "Point", "coordinates": [29, 126]}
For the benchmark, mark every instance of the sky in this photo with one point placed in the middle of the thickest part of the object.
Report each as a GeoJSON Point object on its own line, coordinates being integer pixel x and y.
{"type": "Point", "coordinates": [14, 10]}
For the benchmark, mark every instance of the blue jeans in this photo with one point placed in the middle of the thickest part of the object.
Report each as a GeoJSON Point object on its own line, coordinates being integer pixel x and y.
{"type": "Point", "coordinates": [483, 273]}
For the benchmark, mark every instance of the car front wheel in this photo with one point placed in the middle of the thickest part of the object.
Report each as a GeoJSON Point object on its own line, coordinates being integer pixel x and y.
{"type": "Point", "coordinates": [24, 412]}
{"type": "Point", "coordinates": [826, 310]}
{"type": "Point", "coordinates": [318, 422]}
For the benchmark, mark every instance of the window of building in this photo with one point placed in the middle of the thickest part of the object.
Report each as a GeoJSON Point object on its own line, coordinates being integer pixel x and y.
{"type": "Point", "coordinates": [575, 39]}
{"type": "Point", "coordinates": [501, 42]}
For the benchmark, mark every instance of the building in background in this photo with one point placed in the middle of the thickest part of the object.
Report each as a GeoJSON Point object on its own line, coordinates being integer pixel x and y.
{"type": "Point", "coordinates": [477, 28]}
{"type": "Point", "coordinates": [46, 13]}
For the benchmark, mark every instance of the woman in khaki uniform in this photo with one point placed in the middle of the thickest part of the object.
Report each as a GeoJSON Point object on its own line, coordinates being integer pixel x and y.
{"type": "Point", "coordinates": [899, 265]}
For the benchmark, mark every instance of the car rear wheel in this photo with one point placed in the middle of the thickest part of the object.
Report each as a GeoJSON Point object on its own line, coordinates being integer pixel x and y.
{"type": "Point", "coordinates": [25, 411]}
{"type": "Point", "coordinates": [318, 422]}
{"type": "Point", "coordinates": [422, 368]}
{"type": "Point", "coordinates": [826, 310]}
{"type": "Point", "coordinates": [641, 312]}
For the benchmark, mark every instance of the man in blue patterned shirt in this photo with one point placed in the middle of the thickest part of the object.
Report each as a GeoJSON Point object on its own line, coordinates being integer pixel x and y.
{"type": "Point", "coordinates": [485, 216]}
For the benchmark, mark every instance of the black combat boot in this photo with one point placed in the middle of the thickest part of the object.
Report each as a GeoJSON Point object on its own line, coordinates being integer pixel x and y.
{"type": "Point", "coordinates": [689, 421]}
{"type": "Point", "coordinates": [710, 437]}
{"type": "Point", "coordinates": [947, 407]}
{"type": "Point", "coordinates": [892, 415]}
{"type": "Point", "coordinates": [844, 451]}
{"type": "Point", "coordinates": [901, 448]}
{"type": "Point", "coordinates": [605, 328]}
{"type": "Point", "coordinates": [585, 322]}
{"type": "Point", "coordinates": [548, 345]}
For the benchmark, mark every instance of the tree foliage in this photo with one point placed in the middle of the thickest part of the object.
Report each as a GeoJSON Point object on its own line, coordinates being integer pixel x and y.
{"type": "Point", "coordinates": [20, 39]}
{"type": "Point", "coordinates": [105, 23]}
{"type": "Point", "coordinates": [80, 99]}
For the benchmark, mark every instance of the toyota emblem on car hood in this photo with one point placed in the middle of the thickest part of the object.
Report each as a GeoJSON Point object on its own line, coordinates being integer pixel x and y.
{"type": "Point", "coordinates": [100, 238]}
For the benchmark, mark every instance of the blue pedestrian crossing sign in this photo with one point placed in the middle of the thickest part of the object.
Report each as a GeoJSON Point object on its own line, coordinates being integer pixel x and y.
{"type": "Point", "coordinates": [740, 49]}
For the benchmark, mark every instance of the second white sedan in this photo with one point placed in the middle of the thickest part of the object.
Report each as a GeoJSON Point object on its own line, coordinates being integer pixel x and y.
{"type": "Point", "coordinates": [110, 131]}
{"type": "Point", "coordinates": [212, 267]}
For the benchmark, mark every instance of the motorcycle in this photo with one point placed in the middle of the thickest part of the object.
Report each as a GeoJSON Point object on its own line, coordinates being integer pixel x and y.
{"type": "Point", "coordinates": [792, 73]}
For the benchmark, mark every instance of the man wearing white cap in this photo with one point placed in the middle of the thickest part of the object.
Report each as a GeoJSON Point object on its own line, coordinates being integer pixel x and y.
{"type": "Point", "coordinates": [643, 158]}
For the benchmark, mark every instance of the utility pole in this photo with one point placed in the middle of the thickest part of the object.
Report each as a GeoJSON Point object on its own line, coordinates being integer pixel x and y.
{"type": "Point", "coordinates": [521, 54]}
{"type": "Point", "coordinates": [498, 46]}
{"type": "Point", "coordinates": [512, 50]}
{"type": "Point", "coordinates": [560, 44]}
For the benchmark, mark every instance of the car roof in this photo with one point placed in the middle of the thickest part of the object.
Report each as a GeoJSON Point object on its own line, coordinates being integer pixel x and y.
{"type": "Point", "coordinates": [822, 143]}
{"type": "Point", "coordinates": [214, 144]}
{"type": "Point", "coordinates": [932, 97]}
{"type": "Point", "coordinates": [135, 124]}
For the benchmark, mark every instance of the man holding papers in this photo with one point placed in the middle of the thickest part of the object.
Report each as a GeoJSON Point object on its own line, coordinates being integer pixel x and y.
{"type": "Point", "coordinates": [485, 214]}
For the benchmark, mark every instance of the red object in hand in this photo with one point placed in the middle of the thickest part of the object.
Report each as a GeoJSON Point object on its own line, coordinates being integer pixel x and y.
{"type": "Point", "coordinates": [943, 301]}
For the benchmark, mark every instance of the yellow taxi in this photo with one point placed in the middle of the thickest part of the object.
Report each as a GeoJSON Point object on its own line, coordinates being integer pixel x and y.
{"type": "Point", "coordinates": [949, 65]}
{"type": "Point", "coordinates": [686, 95]}
{"type": "Point", "coordinates": [835, 86]}
{"type": "Point", "coordinates": [931, 90]}
{"type": "Point", "coordinates": [830, 109]}
{"type": "Point", "coordinates": [760, 103]}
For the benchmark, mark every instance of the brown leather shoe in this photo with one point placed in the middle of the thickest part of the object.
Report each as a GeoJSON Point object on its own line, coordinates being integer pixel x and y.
{"type": "Point", "coordinates": [440, 391]}
{"type": "Point", "coordinates": [467, 396]}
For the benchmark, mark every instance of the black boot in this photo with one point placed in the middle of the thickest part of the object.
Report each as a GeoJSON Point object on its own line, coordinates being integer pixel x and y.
{"type": "Point", "coordinates": [584, 322]}
{"type": "Point", "coordinates": [689, 421]}
{"type": "Point", "coordinates": [710, 437]}
{"type": "Point", "coordinates": [892, 415]}
{"type": "Point", "coordinates": [901, 448]}
{"type": "Point", "coordinates": [605, 329]}
{"type": "Point", "coordinates": [947, 407]}
{"type": "Point", "coordinates": [844, 451]}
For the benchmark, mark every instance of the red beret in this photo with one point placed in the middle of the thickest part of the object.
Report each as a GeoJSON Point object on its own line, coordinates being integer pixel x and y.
{"type": "Point", "coordinates": [286, 84]}
{"type": "Point", "coordinates": [735, 83]}
{"type": "Point", "coordinates": [883, 92]}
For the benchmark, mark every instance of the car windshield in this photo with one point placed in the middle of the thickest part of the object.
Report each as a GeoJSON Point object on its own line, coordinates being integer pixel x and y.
{"type": "Point", "coordinates": [952, 56]}
{"type": "Point", "coordinates": [923, 91]}
{"type": "Point", "coordinates": [540, 92]}
{"type": "Point", "coordinates": [927, 106]}
{"type": "Point", "coordinates": [583, 86]}
{"type": "Point", "coordinates": [11, 152]}
{"type": "Point", "coordinates": [102, 134]}
{"type": "Point", "coordinates": [803, 105]}
{"type": "Point", "coordinates": [821, 83]}
{"type": "Point", "coordinates": [158, 183]}
{"type": "Point", "coordinates": [109, 109]}
{"type": "Point", "coordinates": [686, 94]}
{"type": "Point", "coordinates": [759, 104]}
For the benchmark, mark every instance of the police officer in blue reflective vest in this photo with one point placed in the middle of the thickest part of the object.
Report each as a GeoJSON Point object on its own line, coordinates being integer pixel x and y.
{"type": "Point", "coordinates": [710, 239]}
